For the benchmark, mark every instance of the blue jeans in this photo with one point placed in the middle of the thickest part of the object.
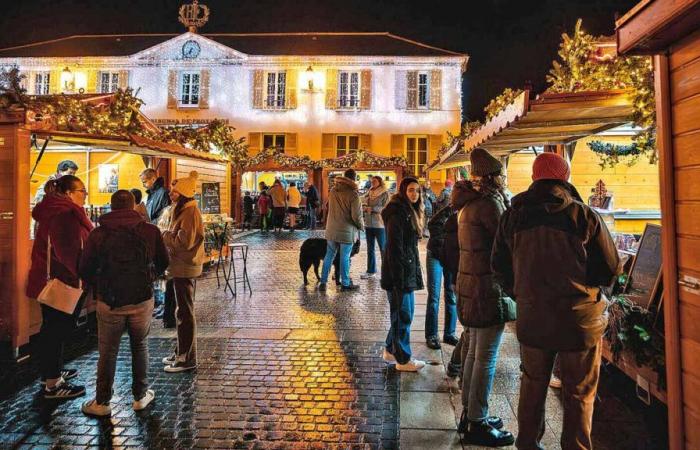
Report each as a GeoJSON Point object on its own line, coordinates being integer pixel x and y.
{"type": "Point", "coordinates": [331, 250]}
{"type": "Point", "coordinates": [398, 340]}
{"type": "Point", "coordinates": [479, 369]}
{"type": "Point", "coordinates": [435, 276]}
{"type": "Point", "coordinates": [373, 234]}
{"type": "Point", "coordinates": [312, 217]}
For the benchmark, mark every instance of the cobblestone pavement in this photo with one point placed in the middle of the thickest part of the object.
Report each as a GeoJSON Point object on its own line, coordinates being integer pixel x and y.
{"type": "Point", "coordinates": [289, 367]}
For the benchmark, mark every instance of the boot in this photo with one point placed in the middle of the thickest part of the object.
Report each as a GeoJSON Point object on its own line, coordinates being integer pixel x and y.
{"type": "Point", "coordinates": [482, 433]}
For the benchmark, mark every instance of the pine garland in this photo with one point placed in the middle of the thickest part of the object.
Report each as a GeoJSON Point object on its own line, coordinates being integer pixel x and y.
{"type": "Point", "coordinates": [499, 103]}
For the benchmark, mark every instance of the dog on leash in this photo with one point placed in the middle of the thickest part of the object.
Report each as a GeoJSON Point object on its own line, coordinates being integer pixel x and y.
{"type": "Point", "coordinates": [312, 252]}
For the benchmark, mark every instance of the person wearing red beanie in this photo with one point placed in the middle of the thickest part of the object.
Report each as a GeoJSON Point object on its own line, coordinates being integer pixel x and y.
{"type": "Point", "coordinates": [550, 166]}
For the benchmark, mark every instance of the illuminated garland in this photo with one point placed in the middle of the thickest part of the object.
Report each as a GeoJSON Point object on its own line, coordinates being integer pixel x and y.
{"type": "Point", "coordinates": [582, 68]}
{"type": "Point", "coordinates": [467, 129]}
{"type": "Point", "coordinates": [499, 103]}
{"type": "Point", "coordinates": [277, 155]}
{"type": "Point", "coordinates": [610, 154]}
{"type": "Point", "coordinates": [362, 156]}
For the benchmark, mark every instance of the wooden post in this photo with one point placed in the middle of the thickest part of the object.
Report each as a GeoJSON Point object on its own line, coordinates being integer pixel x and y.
{"type": "Point", "coordinates": [236, 180]}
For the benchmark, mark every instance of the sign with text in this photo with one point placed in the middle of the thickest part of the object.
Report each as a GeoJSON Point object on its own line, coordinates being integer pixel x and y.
{"type": "Point", "coordinates": [211, 198]}
{"type": "Point", "coordinates": [645, 272]}
{"type": "Point", "coordinates": [183, 121]}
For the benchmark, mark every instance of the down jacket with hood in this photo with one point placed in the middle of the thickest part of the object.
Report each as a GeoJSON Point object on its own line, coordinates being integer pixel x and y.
{"type": "Point", "coordinates": [157, 200]}
{"type": "Point", "coordinates": [552, 252]}
{"type": "Point", "coordinates": [400, 262]}
{"type": "Point", "coordinates": [121, 219]}
{"type": "Point", "coordinates": [344, 220]}
{"type": "Point", "coordinates": [68, 226]}
{"type": "Point", "coordinates": [184, 239]}
{"type": "Point", "coordinates": [481, 302]}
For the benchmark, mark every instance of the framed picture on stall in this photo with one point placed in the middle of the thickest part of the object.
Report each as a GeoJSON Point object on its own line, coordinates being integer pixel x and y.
{"type": "Point", "coordinates": [644, 278]}
{"type": "Point", "coordinates": [108, 178]}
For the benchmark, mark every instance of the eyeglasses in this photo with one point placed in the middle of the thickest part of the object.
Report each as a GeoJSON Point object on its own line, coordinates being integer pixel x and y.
{"type": "Point", "coordinates": [84, 191]}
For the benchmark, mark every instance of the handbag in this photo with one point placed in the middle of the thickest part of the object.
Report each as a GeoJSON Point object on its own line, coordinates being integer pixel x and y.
{"type": "Point", "coordinates": [57, 294]}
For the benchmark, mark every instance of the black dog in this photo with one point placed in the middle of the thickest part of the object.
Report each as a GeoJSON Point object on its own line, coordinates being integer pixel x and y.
{"type": "Point", "coordinates": [312, 252]}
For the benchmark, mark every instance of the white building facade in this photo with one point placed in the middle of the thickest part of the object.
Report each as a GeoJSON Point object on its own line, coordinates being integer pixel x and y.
{"type": "Point", "coordinates": [315, 94]}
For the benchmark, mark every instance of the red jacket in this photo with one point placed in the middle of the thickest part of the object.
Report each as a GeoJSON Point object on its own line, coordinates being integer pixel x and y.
{"type": "Point", "coordinates": [68, 226]}
{"type": "Point", "coordinates": [264, 204]}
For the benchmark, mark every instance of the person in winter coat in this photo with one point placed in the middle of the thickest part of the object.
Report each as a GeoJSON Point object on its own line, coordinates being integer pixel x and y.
{"type": "Point", "coordinates": [312, 203]}
{"type": "Point", "coordinates": [553, 252]}
{"type": "Point", "coordinates": [264, 209]}
{"type": "Point", "coordinates": [123, 235]}
{"type": "Point", "coordinates": [293, 201]}
{"type": "Point", "coordinates": [62, 221]}
{"type": "Point", "coordinates": [66, 167]}
{"type": "Point", "coordinates": [279, 204]}
{"type": "Point", "coordinates": [374, 201]}
{"type": "Point", "coordinates": [401, 271]}
{"type": "Point", "coordinates": [482, 304]}
{"type": "Point", "coordinates": [185, 242]}
{"type": "Point", "coordinates": [343, 225]}
{"type": "Point", "coordinates": [437, 275]}
{"type": "Point", "coordinates": [444, 198]}
{"type": "Point", "coordinates": [158, 197]}
{"type": "Point", "coordinates": [247, 210]}
{"type": "Point", "coordinates": [139, 207]}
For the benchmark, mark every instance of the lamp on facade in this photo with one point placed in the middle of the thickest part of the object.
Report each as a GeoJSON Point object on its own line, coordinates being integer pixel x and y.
{"type": "Point", "coordinates": [310, 77]}
{"type": "Point", "coordinates": [67, 79]}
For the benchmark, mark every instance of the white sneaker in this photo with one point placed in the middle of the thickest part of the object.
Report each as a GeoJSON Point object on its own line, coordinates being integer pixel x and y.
{"type": "Point", "coordinates": [367, 276]}
{"type": "Point", "coordinates": [388, 357]}
{"type": "Point", "coordinates": [145, 401]}
{"type": "Point", "coordinates": [555, 382]}
{"type": "Point", "coordinates": [170, 360]}
{"type": "Point", "coordinates": [414, 365]}
{"type": "Point", "coordinates": [92, 408]}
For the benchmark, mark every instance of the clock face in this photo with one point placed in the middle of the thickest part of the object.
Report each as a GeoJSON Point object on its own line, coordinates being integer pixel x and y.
{"type": "Point", "coordinates": [190, 50]}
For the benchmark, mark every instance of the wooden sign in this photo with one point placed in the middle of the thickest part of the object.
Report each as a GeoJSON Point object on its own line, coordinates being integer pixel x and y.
{"type": "Point", "coordinates": [645, 274]}
{"type": "Point", "coordinates": [211, 198]}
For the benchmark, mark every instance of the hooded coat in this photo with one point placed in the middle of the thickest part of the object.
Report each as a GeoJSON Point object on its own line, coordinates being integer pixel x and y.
{"type": "Point", "coordinates": [68, 227]}
{"type": "Point", "coordinates": [278, 195]}
{"type": "Point", "coordinates": [400, 261]}
{"type": "Point", "coordinates": [552, 252]}
{"type": "Point", "coordinates": [481, 302]}
{"type": "Point", "coordinates": [375, 199]}
{"type": "Point", "coordinates": [185, 242]}
{"type": "Point", "coordinates": [157, 200]}
{"type": "Point", "coordinates": [344, 220]}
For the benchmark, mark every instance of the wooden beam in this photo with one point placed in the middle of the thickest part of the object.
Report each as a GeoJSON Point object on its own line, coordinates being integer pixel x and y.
{"type": "Point", "coordinates": [654, 26]}
{"type": "Point", "coordinates": [524, 125]}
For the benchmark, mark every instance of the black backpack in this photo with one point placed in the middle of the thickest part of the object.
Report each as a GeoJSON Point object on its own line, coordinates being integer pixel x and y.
{"type": "Point", "coordinates": [126, 269]}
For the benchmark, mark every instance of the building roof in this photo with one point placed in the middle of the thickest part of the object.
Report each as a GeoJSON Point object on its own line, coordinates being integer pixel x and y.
{"type": "Point", "coordinates": [263, 44]}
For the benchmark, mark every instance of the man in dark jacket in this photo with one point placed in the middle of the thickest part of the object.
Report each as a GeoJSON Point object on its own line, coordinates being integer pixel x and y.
{"type": "Point", "coordinates": [158, 197]}
{"type": "Point", "coordinates": [312, 203]}
{"type": "Point", "coordinates": [551, 253]}
{"type": "Point", "coordinates": [120, 259]}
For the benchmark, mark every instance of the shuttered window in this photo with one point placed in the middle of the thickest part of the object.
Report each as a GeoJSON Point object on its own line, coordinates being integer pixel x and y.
{"type": "Point", "coordinates": [423, 90]}
{"type": "Point", "coordinates": [274, 140]}
{"type": "Point", "coordinates": [276, 88]}
{"type": "Point", "coordinates": [348, 89]}
{"type": "Point", "coordinates": [42, 80]}
{"type": "Point", "coordinates": [108, 82]}
{"type": "Point", "coordinates": [189, 88]}
{"type": "Point", "coordinates": [416, 154]}
{"type": "Point", "coordinates": [346, 144]}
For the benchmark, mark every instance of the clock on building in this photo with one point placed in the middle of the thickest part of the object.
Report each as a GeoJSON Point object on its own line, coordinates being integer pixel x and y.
{"type": "Point", "coordinates": [190, 49]}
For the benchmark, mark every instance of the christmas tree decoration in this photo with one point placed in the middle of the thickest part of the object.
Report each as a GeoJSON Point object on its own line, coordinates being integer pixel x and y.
{"type": "Point", "coordinates": [499, 103]}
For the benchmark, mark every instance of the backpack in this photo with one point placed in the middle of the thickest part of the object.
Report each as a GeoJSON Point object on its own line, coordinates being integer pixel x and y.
{"type": "Point", "coordinates": [126, 269]}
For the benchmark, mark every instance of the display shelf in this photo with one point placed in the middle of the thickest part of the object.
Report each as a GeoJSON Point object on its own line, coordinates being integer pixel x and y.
{"type": "Point", "coordinates": [628, 366]}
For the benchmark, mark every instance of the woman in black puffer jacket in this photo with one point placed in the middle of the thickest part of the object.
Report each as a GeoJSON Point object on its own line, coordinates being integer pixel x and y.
{"type": "Point", "coordinates": [481, 306]}
{"type": "Point", "coordinates": [401, 272]}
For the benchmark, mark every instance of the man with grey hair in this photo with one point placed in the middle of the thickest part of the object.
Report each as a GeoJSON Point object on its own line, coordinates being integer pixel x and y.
{"type": "Point", "coordinates": [65, 167]}
{"type": "Point", "coordinates": [158, 198]}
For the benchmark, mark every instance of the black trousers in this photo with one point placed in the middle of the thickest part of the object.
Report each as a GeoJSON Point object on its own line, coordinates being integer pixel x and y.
{"type": "Point", "coordinates": [169, 307]}
{"type": "Point", "coordinates": [56, 327]}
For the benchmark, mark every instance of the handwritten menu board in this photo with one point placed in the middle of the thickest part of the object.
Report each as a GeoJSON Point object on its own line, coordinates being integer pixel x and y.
{"type": "Point", "coordinates": [211, 198]}
{"type": "Point", "coordinates": [644, 276]}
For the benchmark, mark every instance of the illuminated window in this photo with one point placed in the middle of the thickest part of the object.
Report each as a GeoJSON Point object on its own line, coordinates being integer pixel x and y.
{"type": "Point", "coordinates": [346, 144]}
{"type": "Point", "coordinates": [349, 89]}
{"type": "Point", "coordinates": [423, 90]}
{"type": "Point", "coordinates": [41, 83]}
{"type": "Point", "coordinates": [109, 82]}
{"type": "Point", "coordinates": [189, 88]}
{"type": "Point", "coordinates": [416, 154]}
{"type": "Point", "coordinates": [273, 140]}
{"type": "Point", "coordinates": [276, 83]}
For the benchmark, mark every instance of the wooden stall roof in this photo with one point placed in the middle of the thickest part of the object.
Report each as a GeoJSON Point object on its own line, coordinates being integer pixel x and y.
{"type": "Point", "coordinates": [652, 25]}
{"type": "Point", "coordinates": [548, 120]}
{"type": "Point", "coordinates": [131, 144]}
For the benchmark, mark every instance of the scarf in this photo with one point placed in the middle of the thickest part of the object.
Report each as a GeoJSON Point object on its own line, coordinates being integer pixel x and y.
{"type": "Point", "coordinates": [374, 193]}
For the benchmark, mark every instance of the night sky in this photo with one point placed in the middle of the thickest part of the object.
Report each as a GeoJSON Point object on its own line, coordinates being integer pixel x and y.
{"type": "Point", "coordinates": [510, 42]}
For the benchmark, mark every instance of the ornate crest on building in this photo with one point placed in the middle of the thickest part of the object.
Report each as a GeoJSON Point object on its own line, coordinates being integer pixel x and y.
{"type": "Point", "coordinates": [194, 16]}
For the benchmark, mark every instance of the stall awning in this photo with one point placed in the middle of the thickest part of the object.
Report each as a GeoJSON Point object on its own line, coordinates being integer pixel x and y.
{"type": "Point", "coordinates": [548, 120]}
{"type": "Point", "coordinates": [131, 144]}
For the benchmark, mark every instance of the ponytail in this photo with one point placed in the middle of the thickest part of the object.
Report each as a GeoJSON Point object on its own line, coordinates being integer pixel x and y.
{"type": "Point", "coordinates": [62, 185]}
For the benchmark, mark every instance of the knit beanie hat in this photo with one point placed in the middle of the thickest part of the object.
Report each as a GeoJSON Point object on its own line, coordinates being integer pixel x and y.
{"type": "Point", "coordinates": [187, 186]}
{"type": "Point", "coordinates": [449, 183]}
{"type": "Point", "coordinates": [483, 163]}
{"type": "Point", "coordinates": [550, 166]}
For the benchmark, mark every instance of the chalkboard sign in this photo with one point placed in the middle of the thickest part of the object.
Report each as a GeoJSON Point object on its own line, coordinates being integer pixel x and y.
{"type": "Point", "coordinates": [645, 274]}
{"type": "Point", "coordinates": [211, 198]}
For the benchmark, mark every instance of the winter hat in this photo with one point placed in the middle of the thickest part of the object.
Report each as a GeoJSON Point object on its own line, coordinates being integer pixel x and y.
{"type": "Point", "coordinates": [550, 166]}
{"type": "Point", "coordinates": [483, 163]}
{"type": "Point", "coordinates": [449, 183]}
{"type": "Point", "coordinates": [186, 186]}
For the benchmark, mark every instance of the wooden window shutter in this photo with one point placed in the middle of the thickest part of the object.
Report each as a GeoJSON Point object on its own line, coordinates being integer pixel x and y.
{"type": "Point", "coordinates": [327, 145]}
{"type": "Point", "coordinates": [366, 89]}
{"type": "Point", "coordinates": [434, 144]}
{"type": "Point", "coordinates": [290, 89]}
{"type": "Point", "coordinates": [172, 89]}
{"type": "Point", "coordinates": [258, 78]}
{"type": "Point", "coordinates": [204, 89]}
{"type": "Point", "coordinates": [290, 144]}
{"type": "Point", "coordinates": [436, 90]}
{"type": "Point", "coordinates": [412, 90]}
{"type": "Point", "coordinates": [93, 79]}
{"type": "Point", "coordinates": [123, 79]}
{"type": "Point", "coordinates": [55, 82]}
{"type": "Point", "coordinates": [254, 143]}
{"type": "Point", "coordinates": [331, 89]}
{"type": "Point", "coordinates": [400, 89]}
{"type": "Point", "coordinates": [366, 142]}
{"type": "Point", "coordinates": [397, 145]}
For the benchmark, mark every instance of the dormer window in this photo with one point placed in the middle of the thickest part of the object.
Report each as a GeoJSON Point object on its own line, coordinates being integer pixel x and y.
{"type": "Point", "coordinates": [189, 89]}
